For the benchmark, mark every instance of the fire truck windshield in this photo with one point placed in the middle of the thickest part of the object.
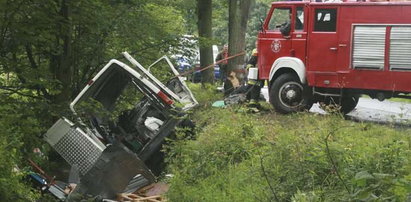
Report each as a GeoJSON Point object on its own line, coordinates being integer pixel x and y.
{"type": "Point", "coordinates": [279, 18]}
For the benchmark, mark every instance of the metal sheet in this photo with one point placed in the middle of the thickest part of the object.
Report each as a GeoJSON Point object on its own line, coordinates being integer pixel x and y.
{"type": "Point", "coordinates": [73, 145]}
{"type": "Point", "coordinates": [369, 46]}
{"type": "Point", "coordinates": [117, 170]}
{"type": "Point", "coordinates": [400, 48]}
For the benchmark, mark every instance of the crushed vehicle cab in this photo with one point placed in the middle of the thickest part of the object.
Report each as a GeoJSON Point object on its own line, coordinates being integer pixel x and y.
{"type": "Point", "coordinates": [334, 52]}
{"type": "Point", "coordinates": [124, 115]}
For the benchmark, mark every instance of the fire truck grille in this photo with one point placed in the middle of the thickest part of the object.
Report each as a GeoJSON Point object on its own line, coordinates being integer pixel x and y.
{"type": "Point", "coordinates": [77, 149]}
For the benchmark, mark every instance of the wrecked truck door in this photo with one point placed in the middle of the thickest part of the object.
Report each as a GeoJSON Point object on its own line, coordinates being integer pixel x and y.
{"type": "Point", "coordinates": [173, 84]}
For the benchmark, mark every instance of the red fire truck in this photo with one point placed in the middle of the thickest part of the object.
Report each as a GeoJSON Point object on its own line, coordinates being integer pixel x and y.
{"type": "Point", "coordinates": [334, 52]}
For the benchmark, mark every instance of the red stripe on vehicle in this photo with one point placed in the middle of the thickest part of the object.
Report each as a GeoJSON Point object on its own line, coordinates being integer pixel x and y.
{"type": "Point", "coordinates": [165, 98]}
{"type": "Point", "coordinates": [387, 48]}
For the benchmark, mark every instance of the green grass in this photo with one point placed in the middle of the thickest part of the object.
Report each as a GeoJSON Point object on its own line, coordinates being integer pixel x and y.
{"type": "Point", "coordinates": [400, 100]}
{"type": "Point", "coordinates": [392, 99]}
{"type": "Point", "coordinates": [238, 156]}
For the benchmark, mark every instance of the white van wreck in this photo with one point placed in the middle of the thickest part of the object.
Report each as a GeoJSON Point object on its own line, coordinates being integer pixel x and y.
{"type": "Point", "coordinates": [123, 116]}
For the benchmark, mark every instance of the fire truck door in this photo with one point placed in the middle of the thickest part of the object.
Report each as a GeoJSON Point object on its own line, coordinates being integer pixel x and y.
{"type": "Point", "coordinates": [272, 42]}
{"type": "Point", "coordinates": [299, 34]}
{"type": "Point", "coordinates": [323, 47]}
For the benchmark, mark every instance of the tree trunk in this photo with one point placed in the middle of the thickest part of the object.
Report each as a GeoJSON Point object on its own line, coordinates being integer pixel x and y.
{"type": "Point", "coordinates": [237, 26]}
{"type": "Point", "coordinates": [63, 69]}
{"type": "Point", "coordinates": [204, 8]}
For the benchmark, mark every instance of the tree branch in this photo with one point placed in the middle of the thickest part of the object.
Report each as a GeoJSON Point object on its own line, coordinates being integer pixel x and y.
{"type": "Point", "coordinates": [29, 53]}
{"type": "Point", "coordinates": [16, 90]}
{"type": "Point", "coordinates": [7, 20]}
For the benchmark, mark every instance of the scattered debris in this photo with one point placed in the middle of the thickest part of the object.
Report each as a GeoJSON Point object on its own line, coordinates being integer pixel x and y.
{"type": "Point", "coordinates": [219, 103]}
{"type": "Point", "coordinates": [235, 99]}
{"type": "Point", "coordinates": [154, 189]}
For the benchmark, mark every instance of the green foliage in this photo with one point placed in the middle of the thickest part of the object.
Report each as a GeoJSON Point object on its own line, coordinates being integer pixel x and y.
{"type": "Point", "coordinates": [400, 100]}
{"type": "Point", "coordinates": [11, 186]}
{"type": "Point", "coordinates": [205, 94]}
{"type": "Point", "coordinates": [36, 39]}
{"type": "Point", "coordinates": [49, 50]}
{"type": "Point", "coordinates": [18, 137]}
{"type": "Point", "coordinates": [302, 157]}
{"type": "Point", "coordinates": [220, 22]}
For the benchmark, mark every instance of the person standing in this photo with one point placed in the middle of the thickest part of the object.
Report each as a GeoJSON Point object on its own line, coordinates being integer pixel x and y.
{"type": "Point", "coordinates": [254, 85]}
{"type": "Point", "coordinates": [224, 64]}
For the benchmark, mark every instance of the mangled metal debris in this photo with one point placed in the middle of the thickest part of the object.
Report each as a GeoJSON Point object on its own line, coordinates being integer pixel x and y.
{"type": "Point", "coordinates": [123, 116]}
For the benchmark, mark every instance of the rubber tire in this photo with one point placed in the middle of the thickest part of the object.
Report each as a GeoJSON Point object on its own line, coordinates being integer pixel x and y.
{"type": "Point", "coordinates": [306, 103]}
{"type": "Point", "coordinates": [348, 103]}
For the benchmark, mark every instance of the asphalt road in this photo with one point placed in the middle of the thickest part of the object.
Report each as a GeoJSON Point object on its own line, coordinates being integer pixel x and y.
{"type": "Point", "coordinates": [373, 110]}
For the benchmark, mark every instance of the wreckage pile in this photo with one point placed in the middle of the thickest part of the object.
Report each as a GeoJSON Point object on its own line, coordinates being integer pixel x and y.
{"type": "Point", "coordinates": [122, 117]}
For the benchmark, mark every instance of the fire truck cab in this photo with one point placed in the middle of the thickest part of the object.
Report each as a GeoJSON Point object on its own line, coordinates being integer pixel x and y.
{"type": "Point", "coordinates": [334, 52]}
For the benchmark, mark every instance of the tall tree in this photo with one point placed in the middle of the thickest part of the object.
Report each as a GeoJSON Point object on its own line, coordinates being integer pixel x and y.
{"type": "Point", "coordinates": [61, 64]}
{"type": "Point", "coordinates": [237, 26]}
{"type": "Point", "coordinates": [204, 12]}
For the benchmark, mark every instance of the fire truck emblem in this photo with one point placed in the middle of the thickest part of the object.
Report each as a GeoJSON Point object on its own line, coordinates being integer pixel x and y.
{"type": "Point", "coordinates": [276, 46]}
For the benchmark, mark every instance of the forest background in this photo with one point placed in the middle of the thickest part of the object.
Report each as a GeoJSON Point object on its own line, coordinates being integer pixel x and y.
{"type": "Point", "coordinates": [49, 49]}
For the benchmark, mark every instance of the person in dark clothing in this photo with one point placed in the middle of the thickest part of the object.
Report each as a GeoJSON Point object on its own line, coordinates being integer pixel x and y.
{"type": "Point", "coordinates": [298, 24]}
{"type": "Point", "coordinates": [285, 28]}
{"type": "Point", "coordinates": [254, 85]}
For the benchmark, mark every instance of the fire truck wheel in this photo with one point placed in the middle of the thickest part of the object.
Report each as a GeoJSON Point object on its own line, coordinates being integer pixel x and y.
{"type": "Point", "coordinates": [348, 103]}
{"type": "Point", "coordinates": [287, 94]}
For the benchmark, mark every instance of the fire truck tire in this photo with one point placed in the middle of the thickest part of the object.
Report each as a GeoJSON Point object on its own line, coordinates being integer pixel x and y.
{"type": "Point", "coordinates": [348, 103]}
{"type": "Point", "coordinates": [288, 94]}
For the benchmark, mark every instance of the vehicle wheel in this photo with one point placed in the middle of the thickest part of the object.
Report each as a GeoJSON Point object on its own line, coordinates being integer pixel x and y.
{"type": "Point", "coordinates": [287, 94]}
{"type": "Point", "coordinates": [348, 103]}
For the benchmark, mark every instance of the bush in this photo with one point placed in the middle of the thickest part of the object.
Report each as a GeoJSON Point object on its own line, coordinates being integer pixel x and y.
{"type": "Point", "coordinates": [205, 94]}
{"type": "Point", "coordinates": [19, 134]}
{"type": "Point", "coordinates": [12, 184]}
